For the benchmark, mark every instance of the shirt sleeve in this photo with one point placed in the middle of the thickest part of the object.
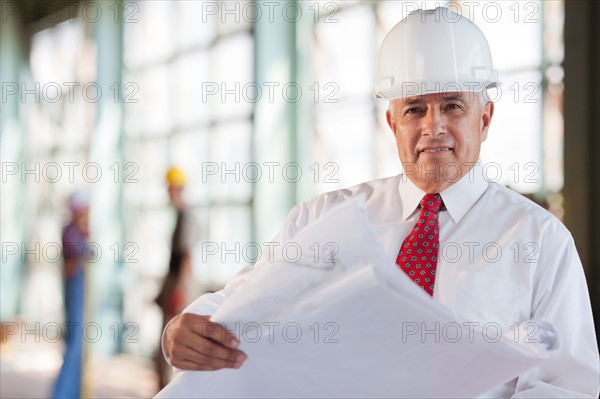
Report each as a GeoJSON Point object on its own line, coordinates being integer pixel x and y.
{"type": "Point", "coordinates": [561, 297]}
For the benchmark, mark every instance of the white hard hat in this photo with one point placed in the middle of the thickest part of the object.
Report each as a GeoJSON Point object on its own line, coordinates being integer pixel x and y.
{"type": "Point", "coordinates": [79, 200]}
{"type": "Point", "coordinates": [434, 51]}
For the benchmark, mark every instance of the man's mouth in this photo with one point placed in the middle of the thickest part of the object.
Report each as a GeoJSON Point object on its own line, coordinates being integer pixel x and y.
{"type": "Point", "coordinates": [436, 149]}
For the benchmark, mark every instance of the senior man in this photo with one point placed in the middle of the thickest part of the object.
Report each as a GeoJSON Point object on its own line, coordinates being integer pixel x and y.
{"type": "Point", "coordinates": [435, 69]}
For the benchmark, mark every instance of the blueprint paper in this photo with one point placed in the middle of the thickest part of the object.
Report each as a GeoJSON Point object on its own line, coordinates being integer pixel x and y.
{"type": "Point", "coordinates": [359, 328]}
{"type": "Point", "coordinates": [343, 240]}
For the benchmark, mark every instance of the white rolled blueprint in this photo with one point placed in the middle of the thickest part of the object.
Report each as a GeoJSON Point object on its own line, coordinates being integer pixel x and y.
{"type": "Point", "coordinates": [340, 322]}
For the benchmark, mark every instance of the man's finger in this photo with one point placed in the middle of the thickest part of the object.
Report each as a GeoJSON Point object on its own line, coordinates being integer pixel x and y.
{"type": "Point", "coordinates": [210, 349]}
{"type": "Point", "coordinates": [216, 332]}
{"type": "Point", "coordinates": [214, 363]}
{"type": "Point", "coordinates": [200, 349]}
{"type": "Point", "coordinates": [208, 357]}
{"type": "Point", "coordinates": [187, 365]}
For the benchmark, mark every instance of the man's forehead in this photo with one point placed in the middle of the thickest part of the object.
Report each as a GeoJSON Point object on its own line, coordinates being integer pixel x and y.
{"type": "Point", "coordinates": [437, 97]}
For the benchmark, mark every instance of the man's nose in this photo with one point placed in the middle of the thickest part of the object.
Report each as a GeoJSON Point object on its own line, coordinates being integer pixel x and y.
{"type": "Point", "coordinates": [433, 123]}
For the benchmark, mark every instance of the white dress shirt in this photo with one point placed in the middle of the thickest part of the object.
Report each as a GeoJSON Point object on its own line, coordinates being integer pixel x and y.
{"type": "Point", "coordinates": [502, 259]}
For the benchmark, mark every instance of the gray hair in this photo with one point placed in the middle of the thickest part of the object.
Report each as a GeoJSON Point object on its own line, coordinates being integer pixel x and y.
{"type": "Point", "coordinates": [483, 100]}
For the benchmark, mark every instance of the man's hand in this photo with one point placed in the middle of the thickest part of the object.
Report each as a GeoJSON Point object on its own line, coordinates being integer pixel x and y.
{"type": "Point", "coordinates": [193, 342]}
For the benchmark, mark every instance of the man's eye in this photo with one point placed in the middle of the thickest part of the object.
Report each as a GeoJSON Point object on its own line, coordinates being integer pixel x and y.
{"type": "Point", "coordinates": [413, 110]}
{"type": "Point", "coordinates": [453, 106]}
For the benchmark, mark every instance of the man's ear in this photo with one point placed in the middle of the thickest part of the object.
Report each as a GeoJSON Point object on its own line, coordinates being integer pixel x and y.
{"type": "Point", "coordinates": [390, 121]}
{"type": "Point", "coordinates": [486, 119]}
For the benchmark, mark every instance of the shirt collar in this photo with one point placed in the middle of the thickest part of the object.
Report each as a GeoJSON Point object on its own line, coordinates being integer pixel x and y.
{"type": "Point", "coordinates": [459, 198]}
{"type": "Point", "coordinates": [410, 196]}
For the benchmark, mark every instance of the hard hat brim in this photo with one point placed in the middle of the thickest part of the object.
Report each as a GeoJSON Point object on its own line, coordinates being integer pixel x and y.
{"type": "Point", "coordinates": [414, 89]}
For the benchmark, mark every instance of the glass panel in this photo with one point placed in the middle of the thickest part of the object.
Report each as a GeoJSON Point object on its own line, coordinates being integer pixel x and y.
{"type": "Point", "coordinates": [554, 19]}
{"type": "Point", "coordinates": [553, 137]}
{"type": "Point", "coordinates": [157, 23]}
{"type": "Point", "coordinates": [233, 16]}
{"type": "Point", "coordinates": [191, 74]}
{"type": "Point", "coordinates": [387, 162]}
{"type": "Point", "coordinates": [133, 40]}
{"type": "Point", "coordinates": [232, 79]}
{"type": "Point", "coordinates": [139, 308]}
{"type": "Point", "coordinates": [230, 243]}
{"type": "Point", "coordinates": [343, 53]}
{"type": "Point", "coordinates": [201, 281]}
{"type": "Point", "coordinates": [553, 103]}
{"type": "Point", "coordinates": [134, 110]}
{"type": "Point", "coordinates": [514, 150]}
{"type": "Point", "coordinates": [72, 132]}
{"type": "Point", "coordinates": [150, 158]}
{"type": "Point", "coordinates": [230, 174]}
{"type": "Point", "coordinates": [41, 123]}
{"type": "Point", "coordinates": [55, 53]}
{"type": "Point", "coordinates": [155, 98]}
{"type": "Point", "coordinates": [513, 31]}
{"type": "Point", "coordinates": [196, 23]}
{"type": "Point", "coordinates": [344, 138]}
{"type": "Point", "coordinates": [191, 152]}
{"type": "Point", "coordinates": [152, 234]}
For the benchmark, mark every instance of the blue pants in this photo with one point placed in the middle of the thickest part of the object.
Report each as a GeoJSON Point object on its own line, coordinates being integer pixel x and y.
{"type": "Point", "coordinates": [68, 383]}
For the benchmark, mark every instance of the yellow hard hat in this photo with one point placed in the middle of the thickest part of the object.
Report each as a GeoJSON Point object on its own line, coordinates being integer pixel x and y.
{"type": "Point", "coordinates": [175, 177]}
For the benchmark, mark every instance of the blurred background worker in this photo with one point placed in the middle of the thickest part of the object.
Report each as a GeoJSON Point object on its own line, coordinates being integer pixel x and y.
{"type": "Point", "coordinates": [172, 297]}
{"type": "Point", "coordinates": [74, 239]}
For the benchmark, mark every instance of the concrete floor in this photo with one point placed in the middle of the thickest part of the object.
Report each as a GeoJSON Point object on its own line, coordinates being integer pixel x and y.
{"type": "Point", "coordinates": [28, 370]}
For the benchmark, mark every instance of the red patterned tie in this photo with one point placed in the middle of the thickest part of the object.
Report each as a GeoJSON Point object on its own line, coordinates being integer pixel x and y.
{"type": "Point", "coordinates": [419, 252]}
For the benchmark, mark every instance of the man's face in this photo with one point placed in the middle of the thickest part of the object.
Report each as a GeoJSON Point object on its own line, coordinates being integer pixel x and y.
{"type": "Point", "coordinates": [439, 136]}
{"type": "Point", "coordinates": [175, 194]}
{"type": "Point", "coordinates": [81, 216]}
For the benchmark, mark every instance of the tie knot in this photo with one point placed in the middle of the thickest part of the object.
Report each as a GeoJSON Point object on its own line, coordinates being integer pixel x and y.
{"type": "Point", "coordinates": [432, 202]}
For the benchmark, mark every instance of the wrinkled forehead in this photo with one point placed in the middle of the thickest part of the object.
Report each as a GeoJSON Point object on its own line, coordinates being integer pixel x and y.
{"type": "Point", "coordinates": [466, 97]}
